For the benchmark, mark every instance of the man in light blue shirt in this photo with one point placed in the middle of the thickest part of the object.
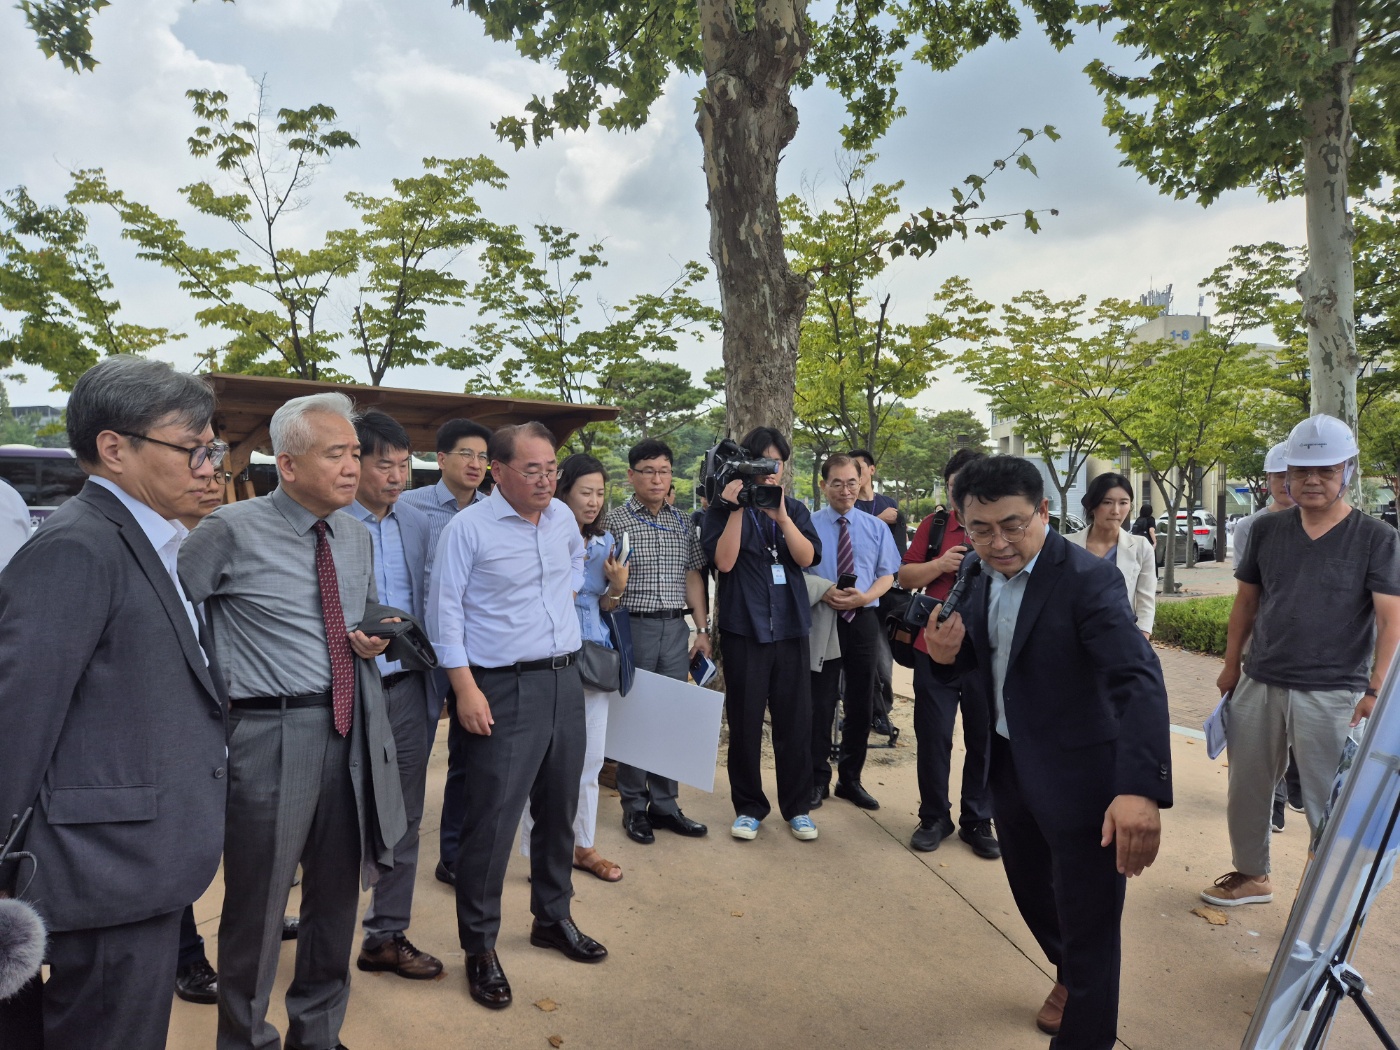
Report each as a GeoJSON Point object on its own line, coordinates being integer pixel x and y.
{"type": "Point", "coordinates": [501, 615]}
{"type": "Point", "coordinates": [400, 536]}
{"type": "Point", "coordinates": [858, 546]}
{"type": "Point", "coordinates": [462, 459]}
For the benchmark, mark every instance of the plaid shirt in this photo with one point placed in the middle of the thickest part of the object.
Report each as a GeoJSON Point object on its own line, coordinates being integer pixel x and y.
{"type": "Point", "coordinates": [664, 548]}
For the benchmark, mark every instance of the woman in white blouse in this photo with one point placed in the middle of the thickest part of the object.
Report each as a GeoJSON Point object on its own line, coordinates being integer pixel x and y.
{"type": "Point", "coordinates": [1108, 504]}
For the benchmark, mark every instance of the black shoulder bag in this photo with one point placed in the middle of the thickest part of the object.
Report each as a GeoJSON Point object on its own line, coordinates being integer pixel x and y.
{"type": "Point", "coordinates": [896, 599]}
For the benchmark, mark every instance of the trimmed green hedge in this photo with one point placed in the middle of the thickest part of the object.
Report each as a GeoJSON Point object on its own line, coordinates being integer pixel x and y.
{"type": "Point", "coordinates": [1196, 623]}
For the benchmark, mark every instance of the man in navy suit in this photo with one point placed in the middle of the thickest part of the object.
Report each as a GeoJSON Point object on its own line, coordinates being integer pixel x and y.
{"type": "Point", "coordinates": [400, 535]}
{"type": "Point", "coordinates": [1080, 762]}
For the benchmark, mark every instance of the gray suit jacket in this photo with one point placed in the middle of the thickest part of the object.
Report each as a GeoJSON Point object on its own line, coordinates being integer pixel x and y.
{"type": "Point", "coordinates": [113, 725]}
{"type": "Point", "coordinates": [416, 527]}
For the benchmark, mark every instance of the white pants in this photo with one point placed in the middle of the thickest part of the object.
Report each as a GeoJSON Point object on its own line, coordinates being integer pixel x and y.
{"type": "Point", "coordinates": [1264, 722]}
{"type": "Point", "coordinates": [595, 714]}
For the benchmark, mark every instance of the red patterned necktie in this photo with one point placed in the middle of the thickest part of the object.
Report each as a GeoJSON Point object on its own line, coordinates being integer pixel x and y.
{"type": "Point", "coordinates": [845, 559]}
{"type": "Point", "coordinates": [342, 656]}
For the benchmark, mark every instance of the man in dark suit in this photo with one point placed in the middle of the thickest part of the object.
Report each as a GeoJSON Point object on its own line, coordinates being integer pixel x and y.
{"type": "Point", "coordinates": [1080, 758]}
{"type": "Point", "coordinates": [113, 714]}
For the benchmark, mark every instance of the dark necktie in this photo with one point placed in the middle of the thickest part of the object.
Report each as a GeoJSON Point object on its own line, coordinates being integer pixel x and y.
{"type": "Point", "coordinates": [342, 656]}
{"type": "Point", "coordinates": [845, 559]}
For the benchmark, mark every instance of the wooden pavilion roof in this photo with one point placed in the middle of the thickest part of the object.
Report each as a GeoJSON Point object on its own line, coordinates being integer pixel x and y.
{"type": "Point", "coordinates": [245, 405]}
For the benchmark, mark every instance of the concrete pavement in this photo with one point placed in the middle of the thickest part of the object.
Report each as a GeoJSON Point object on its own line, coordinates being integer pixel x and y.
{"type": "Point", "coordinates": [853, 939]}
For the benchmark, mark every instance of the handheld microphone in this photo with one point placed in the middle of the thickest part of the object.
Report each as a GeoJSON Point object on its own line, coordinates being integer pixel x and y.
{"type": "Point", "coordinates": [968, 569]}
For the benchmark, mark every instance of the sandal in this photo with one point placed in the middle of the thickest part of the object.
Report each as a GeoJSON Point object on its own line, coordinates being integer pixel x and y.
{"type": "Point", "coordinates": [599, 868]}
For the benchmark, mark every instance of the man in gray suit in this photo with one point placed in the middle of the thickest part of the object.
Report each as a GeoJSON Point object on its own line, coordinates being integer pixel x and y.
{"type": "Point", "coordinates": [113, 715]}
{"type": "Point", "coordinates": [400, 536]}
{"type": "Point", "coordinates": [313, 774]}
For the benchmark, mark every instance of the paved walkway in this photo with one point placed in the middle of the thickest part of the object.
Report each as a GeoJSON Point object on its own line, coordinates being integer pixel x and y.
{"type": "Point", "coordinates": [852, 940]}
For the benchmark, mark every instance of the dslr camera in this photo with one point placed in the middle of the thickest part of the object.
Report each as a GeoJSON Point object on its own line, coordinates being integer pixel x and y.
{"type": "Point", "coordinates": [728, 460]}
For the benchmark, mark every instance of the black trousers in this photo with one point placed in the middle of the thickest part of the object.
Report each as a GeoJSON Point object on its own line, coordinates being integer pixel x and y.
{"type": "Point", "coordinates": [535, 754]}
{"type": "Point", "coordinates": [776, 676]}
{"type": "Point", "coordinates": [191, 943]}
{"type": "Point", "coordinates": [936, 705]}
{"type": "Point", "coordinates": [1068, 891]}
{"type": "Point", "coordinates": [860, 647]}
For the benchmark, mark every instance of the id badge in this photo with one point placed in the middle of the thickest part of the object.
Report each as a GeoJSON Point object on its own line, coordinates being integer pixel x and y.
{"type": "Point", "coordinates": [779, 575]}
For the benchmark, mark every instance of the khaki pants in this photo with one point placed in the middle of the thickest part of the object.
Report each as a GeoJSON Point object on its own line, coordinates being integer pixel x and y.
{"type": "Point", "coordinates": [1264, 722]}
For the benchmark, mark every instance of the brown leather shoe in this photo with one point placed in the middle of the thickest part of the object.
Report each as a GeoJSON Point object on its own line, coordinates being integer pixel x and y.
{"type": "Point", "coordinates": [1052, 1012]}
{"type": "Point", "coordinates": [398, 955]}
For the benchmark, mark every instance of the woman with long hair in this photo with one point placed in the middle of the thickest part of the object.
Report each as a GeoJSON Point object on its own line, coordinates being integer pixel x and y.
{"type": "Point", "coordinates": [582, 486]}
{"type": "Point", "coordinates": [1108, 503]}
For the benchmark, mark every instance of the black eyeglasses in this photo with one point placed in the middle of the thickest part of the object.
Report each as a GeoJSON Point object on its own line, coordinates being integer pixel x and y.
{"type": "Point", "coordinates": [212, 453]}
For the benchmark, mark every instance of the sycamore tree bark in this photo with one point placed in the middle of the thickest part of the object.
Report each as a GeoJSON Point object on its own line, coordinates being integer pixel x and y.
{"type": "Point", "coordinates": [746, 119]}
{"type": "Point", "coordinates": [1327, 286]}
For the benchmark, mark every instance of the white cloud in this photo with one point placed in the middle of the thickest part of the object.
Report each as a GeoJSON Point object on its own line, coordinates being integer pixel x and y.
{"type": "Point", "coordinates": [290, 14]}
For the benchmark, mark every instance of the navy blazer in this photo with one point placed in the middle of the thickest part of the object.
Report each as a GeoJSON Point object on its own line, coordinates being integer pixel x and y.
{"type": "Point", "coordinates": [1086, 706]}
{"type": "Point", "coordinates": [112, 723]}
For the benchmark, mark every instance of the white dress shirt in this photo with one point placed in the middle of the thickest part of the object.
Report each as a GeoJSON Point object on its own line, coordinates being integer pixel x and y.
{"type": "Point", "coordinates": [503, 587]}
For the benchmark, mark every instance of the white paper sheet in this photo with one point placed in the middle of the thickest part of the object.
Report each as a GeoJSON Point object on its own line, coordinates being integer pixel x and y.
{"type": "Point", "coordinates": [1216, 727]}
{"type": "Point", "coordinates": [667, 727]}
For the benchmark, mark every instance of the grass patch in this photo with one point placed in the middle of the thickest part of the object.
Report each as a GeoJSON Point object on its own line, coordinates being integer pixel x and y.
{"type": "Point", "coordinates": [1199, 624]}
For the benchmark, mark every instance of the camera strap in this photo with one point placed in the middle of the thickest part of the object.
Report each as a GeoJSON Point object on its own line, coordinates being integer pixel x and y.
{"type": "Point", "coordinates": [772, 548]}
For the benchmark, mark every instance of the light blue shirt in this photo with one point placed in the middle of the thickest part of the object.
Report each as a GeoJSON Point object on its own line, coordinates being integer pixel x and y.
{"type": "Point", "coordinates": [165, 536]}
{"type": "Point", "coordinates": [1003, 606]}
{"type": "Point", "coordinates": [595, 585]}
{"type": "Point", "coordinates": [503, 590]}
{"type": "Point", "coordinates": [390, 568]}
{"type": "Point", "coordinates": [871, 543]}
{"type": "Point", "coordinates": [438, 503]}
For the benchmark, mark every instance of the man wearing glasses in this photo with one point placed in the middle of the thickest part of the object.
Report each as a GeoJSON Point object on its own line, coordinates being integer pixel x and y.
{"type": "Point", "coordinates": [858, 547]}
{"type": "Point", "coordinates": [501, 615]}
{"type": "Point", "coordinates": [462, 459]}
{"type": "Point", "coordinates": [1318, 603]}
{"type": "Point", "coordinates": [664, 583]}
{"type": "Point", "coordinates": [1080, 758]}
{"type": "Point", "coordinates": [113, 713]}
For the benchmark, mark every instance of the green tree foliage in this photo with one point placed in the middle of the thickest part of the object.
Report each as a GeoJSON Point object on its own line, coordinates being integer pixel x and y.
{"type": "Point", "coordinates": [279, 304]}
{"type": "Point", "coordinates": [1292, 97]}
{"type": "Point", "coordinates": [63, 29]}
{"type": "Point", "coordinates": [55, 284]}
{"type": "Point", "coordinates": [1010, 370]}
{"type": "Point", "coordinates": [856, 363]}
{"type": "Point", "coordinates": [533, 338]}
{"type": "Point", "coordinates": [913, 466]}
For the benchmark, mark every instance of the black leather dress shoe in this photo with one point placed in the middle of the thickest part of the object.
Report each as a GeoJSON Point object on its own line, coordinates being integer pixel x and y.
{"type": "Point", "coordinates": [928, 837]}
{"type": "Point", "coordinates": [291, 926]}
{"type": "Point", "coordinates": [677, 822]}
{"type": "Point", "coordinates": [567, 938]}
{"type": "Point", "coordinates": [444, 874]}
{"type": "Point", "coordinates": [815, 801]}
{"type": "Point", "coordinates": [338, 1046]}
{"type": "Point", "coordinates": [487, 981]}
{"type": "Point", "coordinates": [638, 828]}
{"type": "Point", "coordinates": [980, 837]}
{"type": "Point", "coordinates": [855, 794]}
{"type": "Point", "coordinates": [197, 983]}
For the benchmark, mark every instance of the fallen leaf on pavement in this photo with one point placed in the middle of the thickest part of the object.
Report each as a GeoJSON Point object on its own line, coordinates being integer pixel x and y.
{"type": "Point", "coordinates": [547, 1005]}
{"type": "Point", "coordinates": [737, 914]}
{"type": "Point", "coordinates": [556, 1041]}
{"type": "Point", "coordinates": [1214, 916]}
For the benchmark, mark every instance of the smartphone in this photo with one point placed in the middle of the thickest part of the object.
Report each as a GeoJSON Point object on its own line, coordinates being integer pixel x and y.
{"type": "Point", "coordinates": [845, 581]}
{"type": "Point", "coordinates": [624, 548]}
{"type": "Point", "coordinates": [702, 669]}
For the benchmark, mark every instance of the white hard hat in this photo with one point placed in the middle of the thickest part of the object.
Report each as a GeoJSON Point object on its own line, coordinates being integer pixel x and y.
{"type": "Point", "coordinates": [1276, 460]}
{"type": "Point", "coordinates": [1320, 441]}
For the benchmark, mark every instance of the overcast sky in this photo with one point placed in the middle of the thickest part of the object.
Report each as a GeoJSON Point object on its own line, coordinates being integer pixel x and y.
{"type": "Point", "coordinates": [416, 79]}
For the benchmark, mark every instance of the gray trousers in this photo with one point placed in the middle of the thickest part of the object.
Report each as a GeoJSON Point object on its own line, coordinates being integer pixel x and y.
{"type": "Point", "coordinates": [110, 987]}
{"type": "Point", "coordinates": [662, 646]}
{"type": "Point", "coordinates": [291, 800]}
{"type": "Point", "coordinates": [392, 900]}
{"type": "Point", "coordinates": [1264, 722]}
{"type": "Point", "coordinates": [535, 753]}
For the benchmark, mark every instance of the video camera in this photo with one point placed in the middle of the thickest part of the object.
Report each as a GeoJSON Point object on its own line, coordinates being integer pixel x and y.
{"type": "Point", "coordinates": [728, 460]}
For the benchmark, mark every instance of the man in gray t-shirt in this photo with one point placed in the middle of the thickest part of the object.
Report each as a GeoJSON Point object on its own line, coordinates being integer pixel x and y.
{"type": "Point", "coordinates": [1318, 604]}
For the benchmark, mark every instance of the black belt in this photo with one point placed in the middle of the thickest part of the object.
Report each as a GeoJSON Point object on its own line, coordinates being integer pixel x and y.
{"type": "Point", "coordinates": [660, 614]}
{"type": "Point", "coordinates": [276, 703]}
{"type": "Point", "coordinates": [391, 680]}
{"type": "Point", "coordinates": [550, 663]}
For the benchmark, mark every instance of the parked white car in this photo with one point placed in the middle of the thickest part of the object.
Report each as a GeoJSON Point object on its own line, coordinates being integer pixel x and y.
{"type": "Point", "coordinates": [1201, 524]}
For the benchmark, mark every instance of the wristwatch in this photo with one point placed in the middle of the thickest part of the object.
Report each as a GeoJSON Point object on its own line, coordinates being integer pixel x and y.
{"type": "Point", "coordinates": [702, 630]}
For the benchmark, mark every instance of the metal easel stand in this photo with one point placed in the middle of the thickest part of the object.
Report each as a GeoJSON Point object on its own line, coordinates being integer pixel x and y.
{"type": "Point", "coordinates": [1342, 981]}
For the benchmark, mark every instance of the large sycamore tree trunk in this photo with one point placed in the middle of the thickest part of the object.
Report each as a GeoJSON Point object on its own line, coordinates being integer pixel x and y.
{"type": "Point", "coordinates": [1327, 286]}
{"type": "Point", "coordinates": [746, 119]}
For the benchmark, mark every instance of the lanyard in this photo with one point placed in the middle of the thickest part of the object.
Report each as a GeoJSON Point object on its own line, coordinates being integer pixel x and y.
{"type": "Point", "coordinates": [657, 524]}
{"type": "Point", "coordinates": [772, 548]}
